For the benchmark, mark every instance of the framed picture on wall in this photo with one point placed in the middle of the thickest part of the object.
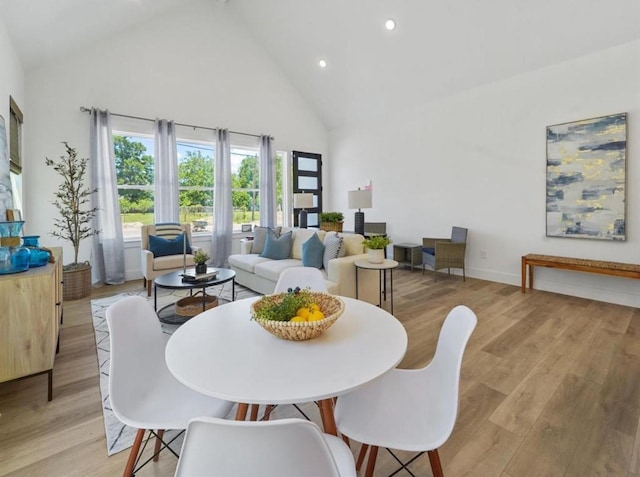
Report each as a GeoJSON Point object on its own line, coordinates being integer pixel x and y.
{"type": "Point", "coordinates": [6, 191]}
{"type": "Point", "coordinates": [586, 178]}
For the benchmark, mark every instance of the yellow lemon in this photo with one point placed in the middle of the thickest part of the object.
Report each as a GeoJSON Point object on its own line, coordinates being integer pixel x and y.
{"type": "Point", "coordinates": [298, 319]}
{"type": "Point", "coordinates": [316, 316]}
{"type": "Point", "coordinates": [314, 307]}
{"type": "Point", "coordinates": [303, 312]}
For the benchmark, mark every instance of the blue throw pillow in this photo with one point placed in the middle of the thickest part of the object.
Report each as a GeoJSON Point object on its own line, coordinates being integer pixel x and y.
{"type": "Point", "coordinates": [277, 248]}
{"type": "Point", "coordinates": [161, 247]}
{"type": "Point", "coordinates": [312, 252]}
{"type": "Point", "coordinates": [429, 250]}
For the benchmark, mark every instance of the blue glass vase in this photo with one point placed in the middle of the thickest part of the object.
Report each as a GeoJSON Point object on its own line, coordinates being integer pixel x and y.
{"type": "Point", "coordinates": [38, 257]}
{"type": "Point", "coordinates": [14, 259]}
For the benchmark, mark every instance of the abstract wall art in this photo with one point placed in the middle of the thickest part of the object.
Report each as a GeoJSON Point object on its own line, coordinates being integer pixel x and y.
{"type": "Point", "coordinates": [586, 178]}
{"type": "Point", "coordinates": [6, 193]}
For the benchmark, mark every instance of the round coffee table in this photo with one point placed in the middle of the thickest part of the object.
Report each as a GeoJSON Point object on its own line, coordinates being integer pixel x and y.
{"type": "Point", "coordinates": [173, 281]}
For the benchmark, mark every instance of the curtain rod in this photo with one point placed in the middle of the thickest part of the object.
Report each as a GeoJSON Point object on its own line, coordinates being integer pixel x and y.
{"type": "Point", "coordinates": [88, 110]}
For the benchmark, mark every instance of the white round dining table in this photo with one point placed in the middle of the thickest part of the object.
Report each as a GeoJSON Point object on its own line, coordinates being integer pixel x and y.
{"type": "Point", "coordinates": [223, 353]}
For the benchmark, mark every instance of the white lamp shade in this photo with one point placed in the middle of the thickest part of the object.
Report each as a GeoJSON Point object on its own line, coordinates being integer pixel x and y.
{"type": "Point", "coordinates": [360, 199]}
{"type": "Point", "coordinates": [303, 200]}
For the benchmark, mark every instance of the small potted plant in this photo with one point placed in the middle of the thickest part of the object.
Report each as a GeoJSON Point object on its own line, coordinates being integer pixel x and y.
{"type": "Point", "coordinates": [376, 245]}
{"type": "Point", "coordinates": [201, 257]}
{"type": "Point", "coordinates": [72, 201]}
{"type": "Point", "coordinates": [331, 221]}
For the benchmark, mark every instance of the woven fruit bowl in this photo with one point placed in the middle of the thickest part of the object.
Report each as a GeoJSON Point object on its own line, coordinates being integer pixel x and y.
{"type": "Point", "coordinates": [330, 305]}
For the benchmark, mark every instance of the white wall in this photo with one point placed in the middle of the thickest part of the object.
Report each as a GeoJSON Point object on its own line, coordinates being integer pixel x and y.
{"type": "Point", "coordinates": [478, 159]}
{"type": "Point", "coordinates": [11, 84]}
{"type": "Point", "coordinates": [199, 66]}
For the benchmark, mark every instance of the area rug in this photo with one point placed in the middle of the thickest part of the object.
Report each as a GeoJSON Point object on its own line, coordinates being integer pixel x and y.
{"type": "Point", "coordinates": [119, 436]}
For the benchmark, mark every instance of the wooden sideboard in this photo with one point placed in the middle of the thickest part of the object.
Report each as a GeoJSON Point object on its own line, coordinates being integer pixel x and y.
{"type": "Point", "coordinates": [30, 316]}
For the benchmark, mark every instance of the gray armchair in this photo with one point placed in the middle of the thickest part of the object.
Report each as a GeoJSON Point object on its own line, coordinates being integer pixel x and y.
{"type": "Point", "coordinates": [441, 253]}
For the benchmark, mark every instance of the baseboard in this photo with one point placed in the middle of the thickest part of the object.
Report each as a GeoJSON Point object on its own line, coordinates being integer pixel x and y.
{"type": "Point", "coordinates": [605, 290]}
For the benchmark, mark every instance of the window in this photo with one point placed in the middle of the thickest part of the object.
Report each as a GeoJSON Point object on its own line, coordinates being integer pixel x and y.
{"type": "Point", "coordinates": [134, 169]}
{"type": "Point", "coordinates": [15, 137]}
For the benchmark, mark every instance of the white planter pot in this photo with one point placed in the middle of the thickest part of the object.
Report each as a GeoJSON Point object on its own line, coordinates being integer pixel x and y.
{"type": "Point", "coordinates": [376, 256]}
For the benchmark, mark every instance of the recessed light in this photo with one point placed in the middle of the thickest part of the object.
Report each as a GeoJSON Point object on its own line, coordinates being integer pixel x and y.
{"type": "Point", "coordinates": [322, 64]}
{"type": "Point", "coordinates": [390, 24]}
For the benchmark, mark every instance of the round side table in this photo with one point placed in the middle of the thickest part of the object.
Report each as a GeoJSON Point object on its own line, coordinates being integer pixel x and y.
{"type": "Point", "coordinates": [382, 276]}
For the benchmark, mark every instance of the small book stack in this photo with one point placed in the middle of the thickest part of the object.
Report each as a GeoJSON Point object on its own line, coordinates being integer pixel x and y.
{"type": "Point", "coordinates": [192, 277]}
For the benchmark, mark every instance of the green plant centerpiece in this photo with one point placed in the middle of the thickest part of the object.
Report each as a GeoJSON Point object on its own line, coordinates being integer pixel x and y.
{"type": "Point", "coordinates": [201, 258]}
{"type": "Point", "coordinates": [284, 306]}
{"type": "Point", "coordinates": [297, 314]}
{"type": "Point", "coordinates": [376, 245]}
{"type": "Point", "coordinates": [74, 223]}
{"type": "Point", "coordinates": [377, 242]}
{"type": "Point", "coordinates": [333, 217]}
{"type": "Point", "coordinates": [331, 221]}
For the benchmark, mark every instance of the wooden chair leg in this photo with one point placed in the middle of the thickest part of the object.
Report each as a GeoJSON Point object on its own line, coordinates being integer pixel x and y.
{"type": "Point", "coordinates": [156, 450]}
{"type": "Point", "coordinates": [361, 455]}
{"type": "Point", "coordinates": [149, 283]}
{"type": "Point", "coordinates": [133, 455]}
{"type": "Point", "coordinates": [254, 412]}
{"type": "Point", "coordinates": [371, 462]}
{"type": "Point", "coordinates": [268, 409]}
{"type": "Point", "coordinates": [436, 467]}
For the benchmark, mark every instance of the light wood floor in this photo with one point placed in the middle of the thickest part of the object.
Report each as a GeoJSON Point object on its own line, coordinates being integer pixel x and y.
{"type": "Point", "coordinates": [550, 386]}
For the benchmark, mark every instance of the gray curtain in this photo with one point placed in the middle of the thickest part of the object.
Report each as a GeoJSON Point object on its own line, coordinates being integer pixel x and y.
{"type": "Point", "coordinates": [267, 183]}
{"type": "Point", "coordinates": [222, 203]}
{"type": "Point", "coordinates": [166, 205]}
{"type": "Point", "coordinates": [108, 245]}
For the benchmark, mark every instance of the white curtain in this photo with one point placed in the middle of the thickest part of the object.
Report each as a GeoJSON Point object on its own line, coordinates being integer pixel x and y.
{"type": "Point", "coordinates": [108, 245]}
{"type": "Point", "coordinates": [267, 183]}
{"type": "Point", "coordinates": [222, 203]}
{"type": "Point", "coordinates": [166, 205]}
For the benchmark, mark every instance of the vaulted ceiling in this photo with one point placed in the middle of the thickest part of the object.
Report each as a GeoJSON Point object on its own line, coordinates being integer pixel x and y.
{"type": "Point", "coordinates": [437, 49]}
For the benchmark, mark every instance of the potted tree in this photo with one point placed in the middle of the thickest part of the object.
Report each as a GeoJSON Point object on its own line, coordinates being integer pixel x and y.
{"type": "Point", "coordinates": [74, 223]}
{"type": "Point", "coordinates": [376, 245]}
{"type": "Point", "coordinates": [331, 221]}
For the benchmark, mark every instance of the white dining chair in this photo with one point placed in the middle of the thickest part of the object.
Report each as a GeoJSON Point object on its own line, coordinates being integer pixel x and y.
{"type": "Point", "coordinates": [286, 447]}
{"type": "Point", "coordinates": [411, 410]}
{"type": "Point", "coordinates": [302, 277]}
{"type": "Point", "coordinates": [143, 393]}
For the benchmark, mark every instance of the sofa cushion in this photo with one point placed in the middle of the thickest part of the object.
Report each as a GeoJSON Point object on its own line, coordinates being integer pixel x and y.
{"type": "Point", "coordinates": [333, 246]}
{"type": "Point", "coordinates": [353, 244]}
{"type": "Point", "coordinates": [260, 238]}
{"type": "Point", "coordinates": [312, 252]}
{"type": "Point", "coordinates": [429, 250]}
{"type": "Point", "coordinates": [300, 236]}
{"type": "Point", "coordinates": [277, 248]}
{"type": "Point", "coordinates": [271, 269]}
{"type": "Point", "coordinates": [246, 262]}
{"type": "Point", "coordinates": [162, 247]}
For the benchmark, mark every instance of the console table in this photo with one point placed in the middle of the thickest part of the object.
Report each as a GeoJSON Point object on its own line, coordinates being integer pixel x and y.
{"type": "Point", "coordinates": [30, 321]}
{"type": "Point", "coordinates": [628, 270]}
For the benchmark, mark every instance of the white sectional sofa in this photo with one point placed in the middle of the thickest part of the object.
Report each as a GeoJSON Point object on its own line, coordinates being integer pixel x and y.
{"type": "Point", "coordinates": [261, 274]}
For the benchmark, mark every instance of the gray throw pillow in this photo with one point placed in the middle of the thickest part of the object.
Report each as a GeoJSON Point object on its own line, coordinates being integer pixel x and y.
{"type": "Point", "coordinates": [260, 238]}
{"type": "Point", "coordinates": [333, 245]}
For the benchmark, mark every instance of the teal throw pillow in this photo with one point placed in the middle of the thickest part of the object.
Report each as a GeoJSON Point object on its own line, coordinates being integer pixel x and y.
{"type": "Point", "coordinates": [312, 252]}
{"type": "Point", "coordinates": [162, 247]}
{"type": "Point", "coordinates": [260, 238]}
{"type": "Point", "coordinates": [277, 248]}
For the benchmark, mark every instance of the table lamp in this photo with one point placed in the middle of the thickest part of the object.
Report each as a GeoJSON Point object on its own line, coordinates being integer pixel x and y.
{"type": "Point", "coordinates": [302, 201]}
{"type": "Point", "coordinates": [359, 199]}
